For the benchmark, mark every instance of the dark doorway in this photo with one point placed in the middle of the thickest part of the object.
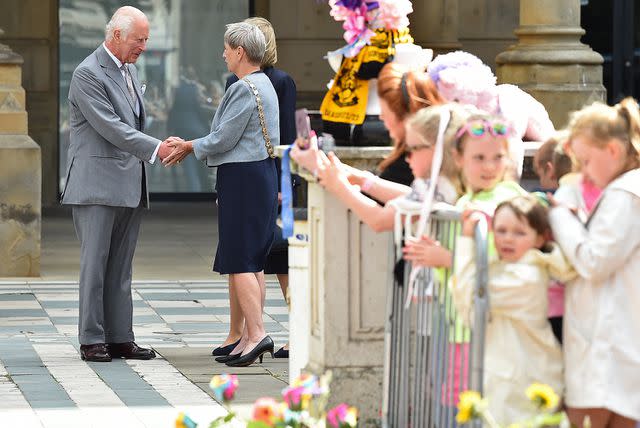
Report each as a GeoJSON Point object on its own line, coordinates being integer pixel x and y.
{"type": "Point", "coordinates": [613, 29]}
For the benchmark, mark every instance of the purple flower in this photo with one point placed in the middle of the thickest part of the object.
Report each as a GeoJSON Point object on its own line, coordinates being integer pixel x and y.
{"type": "Point", "coordinates": [350, 4]}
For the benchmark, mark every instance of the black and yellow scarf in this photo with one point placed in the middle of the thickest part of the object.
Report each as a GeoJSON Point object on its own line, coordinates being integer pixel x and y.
{"type": "Point", "coordinates": [346, 100]}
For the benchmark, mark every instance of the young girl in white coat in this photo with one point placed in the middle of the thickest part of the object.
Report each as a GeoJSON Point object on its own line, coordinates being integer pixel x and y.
{"type": "Point", "coordinates": [520, 348]}
{"type": "Point", "coordinates": [602, 316]}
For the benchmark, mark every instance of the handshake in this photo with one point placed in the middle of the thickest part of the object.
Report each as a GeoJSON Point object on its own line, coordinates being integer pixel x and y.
{"type": "Point", "coordinates": [173, 150]}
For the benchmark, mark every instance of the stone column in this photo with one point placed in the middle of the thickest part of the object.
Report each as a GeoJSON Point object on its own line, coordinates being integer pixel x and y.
{"type": "Point", "coordinates": [550, 62]}
{"type": "Point", "coordinates": [434, 25]}
{"type": "Point", "coordinates": [20, 176]}
{"type": "Point", "coordinates": [338, 302]}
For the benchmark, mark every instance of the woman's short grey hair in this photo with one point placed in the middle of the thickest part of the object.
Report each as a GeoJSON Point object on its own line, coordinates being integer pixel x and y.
{"type": "Point", "coordinates": [249, 37]}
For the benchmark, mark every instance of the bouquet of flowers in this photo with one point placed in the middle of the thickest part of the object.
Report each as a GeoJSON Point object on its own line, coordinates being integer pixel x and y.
{"type": "Point", "coordinates": [303, 406]}
{"type": "Point", "coordinates": [362, 17]}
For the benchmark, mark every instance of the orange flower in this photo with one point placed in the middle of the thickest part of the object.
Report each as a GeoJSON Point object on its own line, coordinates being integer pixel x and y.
{"type": "Point", "coordinates": [267, 410]}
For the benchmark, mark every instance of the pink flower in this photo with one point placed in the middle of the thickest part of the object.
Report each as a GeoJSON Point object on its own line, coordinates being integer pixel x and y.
{"type": "Point", "coordinates": [343, 416]}
{"type": "Point", "coordinates": [392, 14]}
{"type": "Point", "coordinates": [297, 398]}
{"type": "Point", "coordinates": [224, 387]}
{"type": "Point", "coordinates": [354, 26]}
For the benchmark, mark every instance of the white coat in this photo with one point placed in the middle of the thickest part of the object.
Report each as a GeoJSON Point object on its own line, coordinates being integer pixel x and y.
{"type": "Point", "coordinates": [520, 347]}
{"type": "Point", "coordinates": [602, 306]}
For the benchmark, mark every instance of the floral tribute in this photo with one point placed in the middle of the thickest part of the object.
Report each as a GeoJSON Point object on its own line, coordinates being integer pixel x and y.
{"type": "Point", "coordinates": [362, 17]}
{"type": "Point", "coordinates": [303, 405]}
{"type": "Point", "coordinates": [372, 29]}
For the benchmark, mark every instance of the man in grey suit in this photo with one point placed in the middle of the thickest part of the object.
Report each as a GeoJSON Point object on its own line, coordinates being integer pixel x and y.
{"type": "Point", "coordinates": [106, 184]}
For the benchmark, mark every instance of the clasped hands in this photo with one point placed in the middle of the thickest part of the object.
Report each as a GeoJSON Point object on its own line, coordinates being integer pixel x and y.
{"type": "Point", "coordinates": [173, 150]}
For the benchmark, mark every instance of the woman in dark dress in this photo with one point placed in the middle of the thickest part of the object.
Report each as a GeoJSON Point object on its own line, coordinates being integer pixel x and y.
{"type": "Point", "coordinates": [244, 131]}
{"type": "Point", "coordinates": [277, 259]}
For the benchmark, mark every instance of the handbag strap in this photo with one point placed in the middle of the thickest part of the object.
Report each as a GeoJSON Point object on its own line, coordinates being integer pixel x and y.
{"type": "Point", "coordinates": [263, 123]}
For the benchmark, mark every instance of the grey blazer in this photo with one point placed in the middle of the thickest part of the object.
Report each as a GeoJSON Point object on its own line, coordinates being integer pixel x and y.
{"type": "Point", "coordinates": [236, 134]}
{"type": "Point", "coordinates": [107, 147]}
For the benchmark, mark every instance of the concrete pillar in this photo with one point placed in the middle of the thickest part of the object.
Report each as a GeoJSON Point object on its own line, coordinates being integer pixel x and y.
{"type": "Point", "coordinates": [338, 303]}
{"type": "Point", "coordinates": [20, 176]}
{"type": "Point", "coordinates": [550, 62]}
{"type": "Point", "coordinates": [434, 25]}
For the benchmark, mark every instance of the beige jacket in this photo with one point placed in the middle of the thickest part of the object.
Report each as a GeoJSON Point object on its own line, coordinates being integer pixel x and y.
{"type": "Point", "coordinates": [520, 347]}
{"type": "Point", "coordinates": [602, 306]}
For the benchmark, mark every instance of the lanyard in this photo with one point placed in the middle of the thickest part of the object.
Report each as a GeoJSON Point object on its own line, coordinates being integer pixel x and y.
{"type": "Point", "coordinates": [287, 195]}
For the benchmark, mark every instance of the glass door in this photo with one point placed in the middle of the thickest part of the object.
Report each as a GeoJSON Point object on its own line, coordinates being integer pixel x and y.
{"type": "Point", "coordinates": [182, 69]}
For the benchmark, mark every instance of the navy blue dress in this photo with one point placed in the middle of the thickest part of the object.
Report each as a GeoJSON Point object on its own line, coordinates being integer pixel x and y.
{"type": "Point", "coordinates": [277, 260]}
{"type": "Point", "coordinates": [247, 212]}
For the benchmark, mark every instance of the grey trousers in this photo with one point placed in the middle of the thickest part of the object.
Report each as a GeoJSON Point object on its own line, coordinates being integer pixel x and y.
{"type": "Point", "coordinates": [108, 237]}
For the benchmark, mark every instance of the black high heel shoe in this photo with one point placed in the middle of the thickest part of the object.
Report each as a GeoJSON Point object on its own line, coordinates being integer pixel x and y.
{"type": "Point", "coordinates": [265, 346]}
{"type": "Point", "coordinates": [224, 350]}
{"type": "Point", "coordinates": [281, 353]}
{"type": "Point", "coordinates": [227, 358]}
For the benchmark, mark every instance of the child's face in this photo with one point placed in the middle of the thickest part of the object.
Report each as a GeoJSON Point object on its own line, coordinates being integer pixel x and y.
{"type": "Point", "coordinates": [600, 164]}
{"type": "Point", "coordinates": [513, 236]}
{"type": "Point", "coordinates": [483, 160]}
{"type": "Point", "coordinates": [419, 155]}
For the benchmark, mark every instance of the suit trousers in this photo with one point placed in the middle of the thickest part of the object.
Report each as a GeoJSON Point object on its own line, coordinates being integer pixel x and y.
{"type": "Point", "coordinates": [108, 237]}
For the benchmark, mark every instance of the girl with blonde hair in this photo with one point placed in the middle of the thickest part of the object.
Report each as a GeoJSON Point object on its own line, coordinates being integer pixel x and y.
{"type": "Point", "coordinates": [601, 321]}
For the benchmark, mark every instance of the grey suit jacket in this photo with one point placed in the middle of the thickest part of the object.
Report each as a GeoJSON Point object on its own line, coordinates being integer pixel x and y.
{"type": "Point", "coordinates": [107, 146]}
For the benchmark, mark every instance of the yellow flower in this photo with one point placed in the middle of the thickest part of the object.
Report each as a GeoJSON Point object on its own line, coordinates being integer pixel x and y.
{"type": "Point", "coordinates": [468, 406]}
{"type": "Point", "coordinates": [184, 421]}
{"type": "Point", "coordinates": [543, 396]}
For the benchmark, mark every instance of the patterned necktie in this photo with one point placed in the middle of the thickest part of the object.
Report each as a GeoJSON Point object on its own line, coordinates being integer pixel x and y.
{"type": "Point", "coordinates": [127, 77]}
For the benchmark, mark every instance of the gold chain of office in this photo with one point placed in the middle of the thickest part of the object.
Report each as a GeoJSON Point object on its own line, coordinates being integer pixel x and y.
{"type": "Point", "coordinates": [263, 124]}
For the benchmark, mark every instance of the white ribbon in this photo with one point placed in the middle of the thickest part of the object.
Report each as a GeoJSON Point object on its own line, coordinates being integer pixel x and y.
{"type": "Point", "coordinates": [427, 204]}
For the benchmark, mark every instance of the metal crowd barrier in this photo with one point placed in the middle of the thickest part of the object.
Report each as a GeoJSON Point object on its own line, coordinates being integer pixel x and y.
{"type": "Point", "coordinates": [430, 357]}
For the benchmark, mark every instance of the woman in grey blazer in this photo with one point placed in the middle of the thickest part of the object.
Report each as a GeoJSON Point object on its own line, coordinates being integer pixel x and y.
{"type": "Point", "coordinates": [244, 131]}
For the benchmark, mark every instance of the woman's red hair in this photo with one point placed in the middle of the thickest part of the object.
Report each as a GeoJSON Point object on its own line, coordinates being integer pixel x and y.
{"type": "Point", "coordinates": [420, 92]}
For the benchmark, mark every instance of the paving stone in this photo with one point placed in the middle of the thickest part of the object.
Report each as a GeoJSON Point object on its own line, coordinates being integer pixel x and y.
{"type": "Point", "coordinates": [52, 380]}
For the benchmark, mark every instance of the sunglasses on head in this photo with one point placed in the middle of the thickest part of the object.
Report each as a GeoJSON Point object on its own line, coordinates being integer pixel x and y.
{"type": "Point", "coordinates": [477, 128]}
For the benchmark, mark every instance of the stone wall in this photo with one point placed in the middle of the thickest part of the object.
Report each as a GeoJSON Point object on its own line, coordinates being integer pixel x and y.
{"type": "Point", "coordinates": [31, 30]}
{"type": "Point", "coordinates": [20, 176]}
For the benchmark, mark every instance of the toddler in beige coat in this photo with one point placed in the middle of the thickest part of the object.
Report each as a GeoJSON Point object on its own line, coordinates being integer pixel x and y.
{"type": "Point", "coordinates": [520, 348]}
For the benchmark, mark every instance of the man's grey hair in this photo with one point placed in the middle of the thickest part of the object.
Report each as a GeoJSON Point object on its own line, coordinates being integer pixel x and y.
{"type": "Point", "coordinates": [249, 37]}
{"type": "Point", "coordinates": [122, 20]}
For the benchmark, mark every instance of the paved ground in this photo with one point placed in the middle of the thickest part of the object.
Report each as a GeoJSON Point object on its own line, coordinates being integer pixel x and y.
{"type": "Point", "coordinates": [180, 309]}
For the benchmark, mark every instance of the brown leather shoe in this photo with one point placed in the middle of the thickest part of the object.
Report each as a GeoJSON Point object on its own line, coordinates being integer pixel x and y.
{"type": "Point", "coordinates": [130, 350]}
{"type": "Point", "coordinates": [96, 352]}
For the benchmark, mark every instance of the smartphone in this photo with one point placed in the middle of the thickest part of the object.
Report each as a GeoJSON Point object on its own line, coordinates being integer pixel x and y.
{"type": "Point", "coordinates": [303, 123]}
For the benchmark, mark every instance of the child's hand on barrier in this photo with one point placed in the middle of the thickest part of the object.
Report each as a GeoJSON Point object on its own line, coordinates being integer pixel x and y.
{"type": "Point", "coordinates": [427, 252]}
{"type": "Point", "coordinates": [354, 175]}
{"type": "Point", "coordinates": [331, 175]}
{"type": "Point", "coordinates": [470, 219]}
